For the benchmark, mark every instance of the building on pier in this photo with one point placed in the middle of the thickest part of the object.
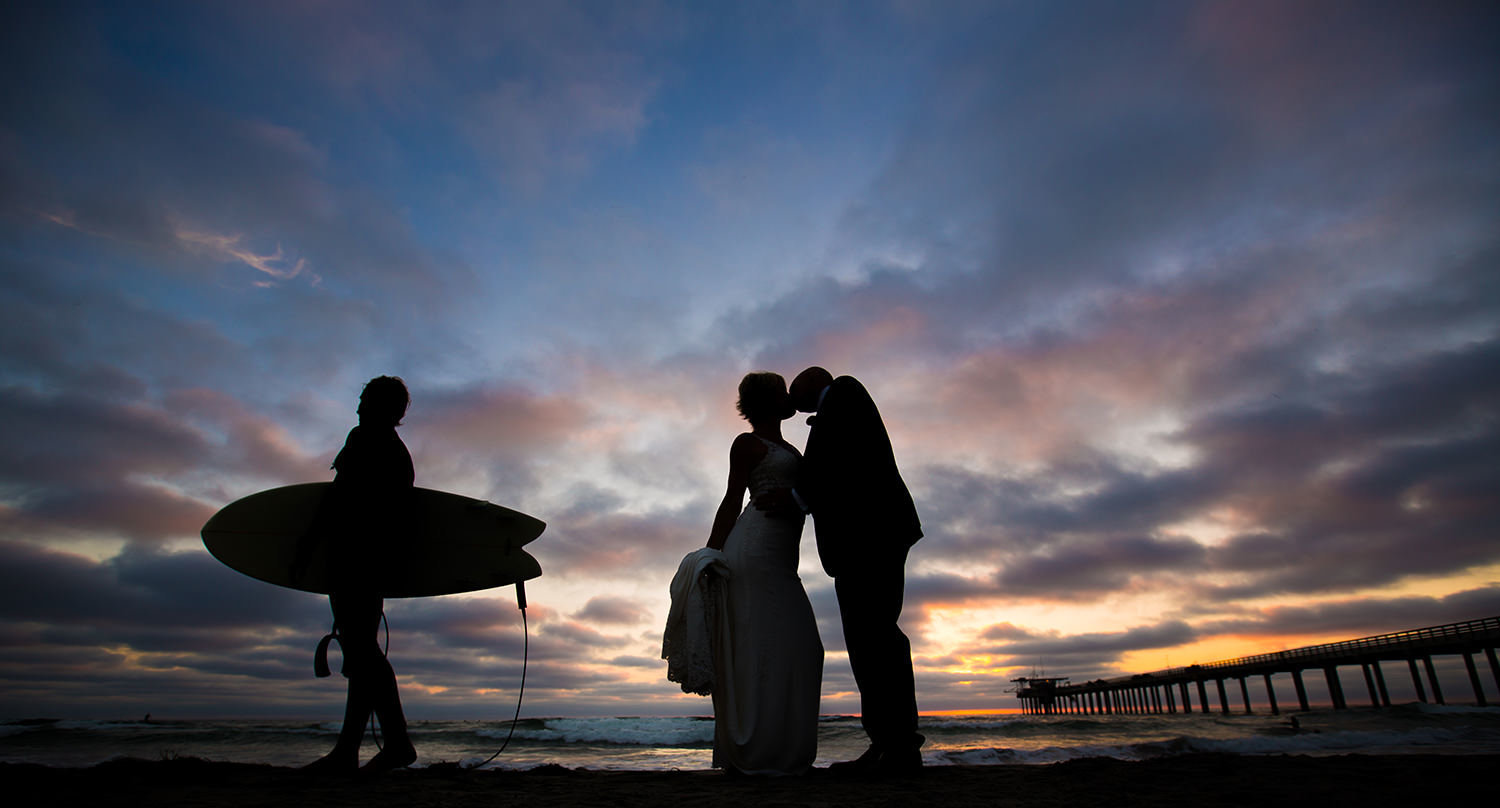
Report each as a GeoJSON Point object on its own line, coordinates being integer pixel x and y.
{"type": "Point", "coordinates": [1175, 689]}
{"type": "Point", "coordinates": [1040, 693]}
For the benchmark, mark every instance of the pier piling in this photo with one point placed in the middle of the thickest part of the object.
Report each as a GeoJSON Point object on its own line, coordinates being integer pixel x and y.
{"type": "Point", "coordinates": [1416, 679]}
{"type": "Point", "coordinates": [1474, 679]}
{"type": "Point", "coordinates": [1385, 694]}
{"type": "Point", "coordinates": [1437, 689]}
{"type": "Point", "coordinates": [1335, 688]}
{"type": "Point", "coordinates": [1301, 689]}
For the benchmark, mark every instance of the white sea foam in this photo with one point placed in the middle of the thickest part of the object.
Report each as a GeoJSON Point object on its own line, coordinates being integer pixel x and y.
{"type": "Point", "coordinates": [1429, 739]}
{"type": "Point", "coordinates": [658, 731]}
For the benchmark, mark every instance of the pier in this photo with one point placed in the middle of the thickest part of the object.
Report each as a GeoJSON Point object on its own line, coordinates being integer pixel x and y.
{"type": "Point", "coordinates": [1174, 689]}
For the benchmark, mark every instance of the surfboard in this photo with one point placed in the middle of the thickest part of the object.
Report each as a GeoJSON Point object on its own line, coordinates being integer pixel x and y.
{"type": "Point", "coordinates": [456, 544]}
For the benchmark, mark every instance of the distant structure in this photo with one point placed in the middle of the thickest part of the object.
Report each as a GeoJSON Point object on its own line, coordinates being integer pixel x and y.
{"type": "Point", "coordinates": [1153, 692]}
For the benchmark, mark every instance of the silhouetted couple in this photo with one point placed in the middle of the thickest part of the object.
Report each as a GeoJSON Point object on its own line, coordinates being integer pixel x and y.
{"type": "Point", "coordinates": [768, 672]}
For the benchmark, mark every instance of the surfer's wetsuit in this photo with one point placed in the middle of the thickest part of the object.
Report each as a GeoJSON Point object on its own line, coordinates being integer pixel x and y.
{"type": "Point", "coordinates": [373, 489]}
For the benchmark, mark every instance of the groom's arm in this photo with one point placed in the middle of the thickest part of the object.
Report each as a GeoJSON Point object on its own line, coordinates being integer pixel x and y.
{"type": "Point", "coordinates": [831, 472]}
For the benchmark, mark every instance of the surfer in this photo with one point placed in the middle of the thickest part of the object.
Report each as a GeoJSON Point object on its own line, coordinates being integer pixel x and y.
{"type": "Point", "coordinates": [370, 501]}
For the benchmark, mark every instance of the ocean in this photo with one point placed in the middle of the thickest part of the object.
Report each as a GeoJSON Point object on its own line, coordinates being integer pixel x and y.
{"type": "Point", "coordinates": [666, 743]}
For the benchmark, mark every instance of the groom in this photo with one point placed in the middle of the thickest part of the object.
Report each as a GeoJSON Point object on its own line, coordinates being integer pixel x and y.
{"type": "Point", "coordinates": [866, 523]}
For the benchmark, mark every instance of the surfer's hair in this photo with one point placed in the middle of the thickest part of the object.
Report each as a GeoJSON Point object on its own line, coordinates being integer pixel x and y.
{"type": "Point", "coordinates": [762, 396]}
{"type": "Point", "coordinates": [386, 396]}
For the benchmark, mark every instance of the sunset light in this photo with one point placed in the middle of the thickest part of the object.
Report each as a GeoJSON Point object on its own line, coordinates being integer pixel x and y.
{"type": "Point", "coordinates": [1183, 319]}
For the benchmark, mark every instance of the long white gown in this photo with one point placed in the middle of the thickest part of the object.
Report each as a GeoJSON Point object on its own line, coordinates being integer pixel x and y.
{"type": "Point", "coordinates": [769, 669]}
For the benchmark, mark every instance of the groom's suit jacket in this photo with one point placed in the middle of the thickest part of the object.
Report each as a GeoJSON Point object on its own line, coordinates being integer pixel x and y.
{"type": "Point", "coordinates": [849, 482]}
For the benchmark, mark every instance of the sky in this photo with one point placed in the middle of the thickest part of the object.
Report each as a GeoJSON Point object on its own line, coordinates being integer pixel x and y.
{"type": "Point", "coordinates": [1184, 318]}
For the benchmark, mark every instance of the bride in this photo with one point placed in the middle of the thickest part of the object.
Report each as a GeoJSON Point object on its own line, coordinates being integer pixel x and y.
{"type": "Point", "coordinates": [769, 669]}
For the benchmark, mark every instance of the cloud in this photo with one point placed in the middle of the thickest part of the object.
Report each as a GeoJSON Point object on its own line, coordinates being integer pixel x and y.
{"type": "Point", "coordinates": [1096, 569]}
{"type": "Point", "coordinates": [1005, 631]}
{"type": "Point", "coordinates": [497, 430]}
{"type": "Point", "coordinates": [168, 178]}
{"type": "Point", "coordinates": [143, 591]}
{"type": "Point", "coordinates": [1364, 616]}
{"type": "Point", "coordinates": [52, 437]}
{"type": "Point", "coordinates": [245, 441]}
{"type": "Point", "coordinates": [1081, 656]}
{"type": "Point", "coordinates": [1371, 487]}
{"type": "Point", "coordinates": [611, 610]}
{"type": "Point", "coordinates": [535, 133]}
{"type": "Point", "coordinates": [76, 463]}
{"type": "Point", "coordinates": [92, 461]}
{"type": "Point", "coordinates": [576, 634]}
{"type": "Point", "coordinates": [590, 544]}
{"type": "Point", "coordinates": [229, 248]}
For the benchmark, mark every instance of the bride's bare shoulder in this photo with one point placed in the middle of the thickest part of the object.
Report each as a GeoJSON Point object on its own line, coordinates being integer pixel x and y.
{"type": "Point", "coordinates": [747, 448]}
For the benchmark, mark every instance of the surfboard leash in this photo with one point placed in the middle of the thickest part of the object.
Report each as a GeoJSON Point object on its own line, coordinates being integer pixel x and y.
{"type": "Point", "coordinates": [525, 655]}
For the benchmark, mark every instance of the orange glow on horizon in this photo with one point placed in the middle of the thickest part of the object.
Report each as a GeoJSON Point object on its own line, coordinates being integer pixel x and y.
{"type": "Point", "coordinates": [951, 713]}
{"type": "Point", "coordinates": [1218, 649]}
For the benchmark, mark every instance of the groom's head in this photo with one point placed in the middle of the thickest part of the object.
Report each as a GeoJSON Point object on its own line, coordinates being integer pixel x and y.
{"type": "Point", "coordinates": [807, 386]}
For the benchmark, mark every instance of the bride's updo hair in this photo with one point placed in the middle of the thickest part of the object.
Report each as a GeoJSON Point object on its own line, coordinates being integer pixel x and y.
{"type": "Point", "coordinates": [762, 396]}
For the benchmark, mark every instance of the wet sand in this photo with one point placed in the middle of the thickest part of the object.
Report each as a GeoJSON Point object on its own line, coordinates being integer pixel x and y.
{"type": "Point", "coordinates": [1197, 780]}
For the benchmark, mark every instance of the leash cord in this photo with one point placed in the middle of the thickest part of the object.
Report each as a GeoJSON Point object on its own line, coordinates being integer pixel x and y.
{"type": "Point", "coordinates": [520, 694]}
{"type": "Point", "coordinates": [525, 654]}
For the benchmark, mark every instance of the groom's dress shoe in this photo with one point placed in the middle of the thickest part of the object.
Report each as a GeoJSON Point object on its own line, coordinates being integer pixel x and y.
{"type": "Point", "coordinates": [878, 763]}
{"type": "Point", "coordinates": [865, 764]}
{"type": "Point", "coordinates": [901, 763]}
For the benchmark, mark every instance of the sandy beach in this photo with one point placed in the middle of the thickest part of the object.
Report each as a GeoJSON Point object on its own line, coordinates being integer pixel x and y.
{"type": "Point", "coordinates": [1196, 780]}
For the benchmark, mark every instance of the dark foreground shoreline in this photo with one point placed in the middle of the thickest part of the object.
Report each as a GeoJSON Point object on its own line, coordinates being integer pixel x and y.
{"type": "Point", "coordinates": [1193, 780]}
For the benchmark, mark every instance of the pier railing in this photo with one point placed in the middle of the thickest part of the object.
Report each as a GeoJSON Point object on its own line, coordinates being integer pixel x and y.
{"type": "Point", "coordinates": [1433, 639]}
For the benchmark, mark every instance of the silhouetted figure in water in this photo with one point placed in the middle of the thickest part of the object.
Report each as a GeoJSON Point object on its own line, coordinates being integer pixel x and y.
{"type": "Point", "coordinates": [370, 510]}
{"type": "Point", "coordinates": [865, 523]}
{"type": "Point", "coordinates": [1291, 726]}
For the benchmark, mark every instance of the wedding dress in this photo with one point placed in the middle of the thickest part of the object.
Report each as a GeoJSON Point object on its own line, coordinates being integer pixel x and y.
{"type": "Point", "coordinates": [769, 667]}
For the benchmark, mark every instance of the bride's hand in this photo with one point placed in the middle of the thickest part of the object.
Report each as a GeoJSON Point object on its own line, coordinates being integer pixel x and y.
{"type": "Point", "coordinates": [778, 502]}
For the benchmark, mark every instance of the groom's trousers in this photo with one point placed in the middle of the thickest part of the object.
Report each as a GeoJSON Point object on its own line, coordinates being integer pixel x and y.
{"type": "Point", "coordinates": [870, 597]}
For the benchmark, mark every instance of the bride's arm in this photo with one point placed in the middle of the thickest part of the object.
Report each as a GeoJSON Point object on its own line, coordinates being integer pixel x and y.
{"type": "Point", "coordinates": [744, 453]}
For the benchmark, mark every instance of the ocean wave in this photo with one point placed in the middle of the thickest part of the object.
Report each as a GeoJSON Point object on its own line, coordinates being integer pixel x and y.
{"type": "Point", "coordinates": [1307, 743]}
{"type": "Point", "coordinates": [684, 742]}
{"type": "Point", "coordinates": [614, 731]}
